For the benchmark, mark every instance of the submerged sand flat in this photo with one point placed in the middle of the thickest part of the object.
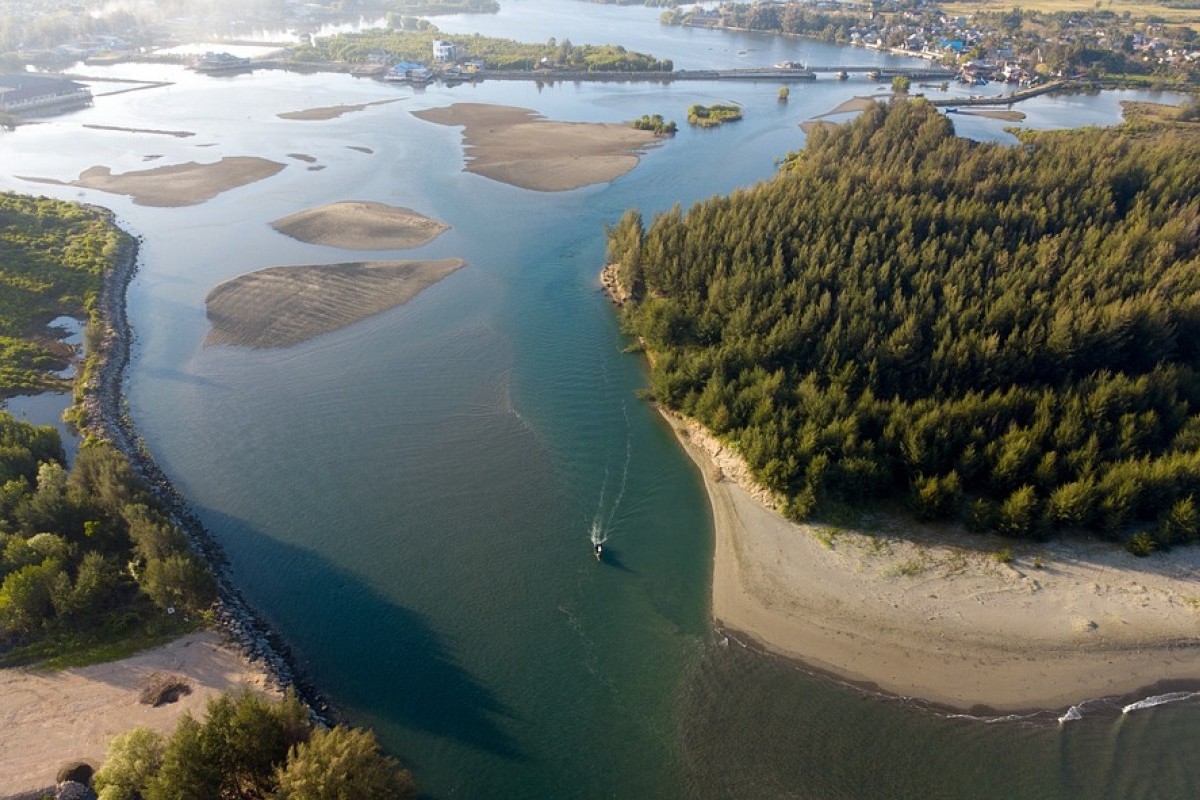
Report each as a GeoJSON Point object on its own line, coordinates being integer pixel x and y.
{"type": "Point", "coordinates": [176, 184]}
{"type": "Point", "coordinates": [853, 104]}
{"type": "Point", "coordinates": [518, 147]}
{"type": "Point", "coordinates": [360, 225]}
{"type": "Point", "coordinates": [283, 306]}
{"type": "Point", "coordinates": [50, 718]}
{"type": "Point", "coordinates": [330, 112]}
{"type": "Point", "coordinates": [930, 613]}
{"type": "Point", "coordinates": [151, 131]}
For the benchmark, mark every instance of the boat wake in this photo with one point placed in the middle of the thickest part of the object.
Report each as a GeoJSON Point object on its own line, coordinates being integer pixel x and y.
{"type": "Point", "coordinates": [602, 522]}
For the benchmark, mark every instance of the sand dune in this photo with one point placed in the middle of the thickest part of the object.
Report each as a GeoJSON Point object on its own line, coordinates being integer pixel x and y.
{"type": "Point", "coordinates": [283, 306]}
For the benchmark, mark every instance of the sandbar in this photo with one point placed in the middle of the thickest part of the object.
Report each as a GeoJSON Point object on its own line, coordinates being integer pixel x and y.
{"type": "Point", "coordinates": [283, 306]}
{"type": "Point", "coordinates": [330, 112]}
{"type": "Point", "coordinates": [929, 612]}
{"type": "Point", "coordinates": [176, 184]}
{"type": "Point", "coordinates": [808, 126]}
{"type": "Point", "coordinates": [993, 113]}
{"type": "Point", "coordinates": [853, 104]}
{"type": "Point", "coordinates": [50, 718]}
{"type": "Point", "coordinates": [152, 131]}
{"type": "Point", "coordinates": [519, 147]}
{"type": "Point", "coordinates": [361, 225]}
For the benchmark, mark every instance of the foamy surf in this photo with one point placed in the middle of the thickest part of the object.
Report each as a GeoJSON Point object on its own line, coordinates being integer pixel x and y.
{"type": "Point", "coordinates": [1159, 700]}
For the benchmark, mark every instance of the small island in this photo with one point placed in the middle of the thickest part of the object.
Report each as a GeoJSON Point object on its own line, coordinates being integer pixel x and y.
{"type": "Point", "coordinates": [712, 116]}
{"type": "Point", "coordinates": [655, 124]}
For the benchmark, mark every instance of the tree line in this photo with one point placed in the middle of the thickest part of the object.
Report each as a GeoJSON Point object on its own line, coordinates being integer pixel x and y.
{"type": "Point", "coordinates": [251, 748]}
{"type": "Point", "coordinates": [1003, 335]}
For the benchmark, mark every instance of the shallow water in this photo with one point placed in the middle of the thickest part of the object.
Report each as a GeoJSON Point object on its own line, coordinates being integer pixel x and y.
{"type": "Point", "coordinates": [410, 500]}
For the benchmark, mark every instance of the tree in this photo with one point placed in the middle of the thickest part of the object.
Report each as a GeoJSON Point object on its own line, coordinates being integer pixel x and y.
{"type": "Point", "coordinates": [234, 753]}
{"type": "Point", "coordinates": [342, 764]}
{"type": "Point", "coordinates": [901, 84]}
{"type": "Point", "coordinates": [178, 580]}
{"type": "Point", "coordinates": [133, 759]}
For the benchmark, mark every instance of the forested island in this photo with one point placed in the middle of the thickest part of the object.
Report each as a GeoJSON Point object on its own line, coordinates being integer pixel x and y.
{"type": "Point", "coordinates": [495, 53]}
{"type": "Point", "coordinates": [1002, 335]}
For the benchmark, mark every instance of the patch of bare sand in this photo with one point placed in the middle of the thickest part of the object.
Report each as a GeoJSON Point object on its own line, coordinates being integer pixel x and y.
{"type": "Point", "coordinates": [283, 306]}
{"type": "Point", "coordinates": [361, 225]}
{"type": "Point", "coordinates": [922, 612]}
{"type": "Point", "coordinates": [50, 718]}
{"type": "Point", "coordinates": [330, 112]}
{"type": "Point", "coordinates": [176, 184]}
{"type": "Point", "coordinates": [853, 104]}
{"type": "Point", "coordinates": [993, 113]}
{"type": "Point", "coordinates": [518, 147]}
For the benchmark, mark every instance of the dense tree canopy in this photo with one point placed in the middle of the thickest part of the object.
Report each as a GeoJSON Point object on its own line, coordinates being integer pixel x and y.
{"type": "Point", "coordinates": [251, 748]}
{"type": "Point", "coordinates": [1009, 335]}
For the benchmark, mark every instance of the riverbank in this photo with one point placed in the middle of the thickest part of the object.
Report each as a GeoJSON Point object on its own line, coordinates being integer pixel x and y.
{"type": "Point", "coordinates": [48, 719]}
{"type": "Point", "coordinates": [104, 414]}
{"type": "Point", "coordinates": [972, 623]}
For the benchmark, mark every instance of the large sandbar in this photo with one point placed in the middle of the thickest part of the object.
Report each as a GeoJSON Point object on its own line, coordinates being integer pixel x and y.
{"type": "Point", "coordinates": [176, 184]}
{"type": "Point", "coordinates": [359, 225]}
{"type": "Point", "coordinates": [283, 306]}
{"type": "Point", "coordinates": [933, 613]}
{"type": "Point", "coordinates": [50, 718]}
{"type": "Point", "coordinates": [519, 147]}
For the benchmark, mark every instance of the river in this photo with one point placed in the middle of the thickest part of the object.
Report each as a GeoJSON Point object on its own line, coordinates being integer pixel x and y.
{"type": "Point", "coordinates": [409, 500]}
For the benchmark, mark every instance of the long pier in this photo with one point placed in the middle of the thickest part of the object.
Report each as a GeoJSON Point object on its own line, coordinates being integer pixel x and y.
{"type": "Point", "coordinates": [786, 74]}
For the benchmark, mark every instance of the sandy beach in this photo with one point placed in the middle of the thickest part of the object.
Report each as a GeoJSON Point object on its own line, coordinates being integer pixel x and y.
{"type": "Point", "coordinates": [921, 611]}
{"type": "Point", "coordinates": [355, 225]}
{"type": "Point", "coordinates": [283, 306]}
{"type": "Point", "coordinates": [50, 718]}
{"type": "Point", "coordinates": [176, 184]}
{"type": "Point", "coordinates": [519, 147]}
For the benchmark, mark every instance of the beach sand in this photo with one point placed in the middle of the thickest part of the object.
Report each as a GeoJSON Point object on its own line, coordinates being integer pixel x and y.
{"type": "Point", "coordinates": [356, 225]}
{"type": "Point", "coordinates": [921, 611]}
{"type": "Point", "coordinates": [283, 306]}
{"type": "Point", "coordinates": [176, 184]}
{"type": "Point", "coordinates": [50, 718]}
{"type": "Point", "coordinates": [1006, 115]}
{"type": "Point", "coordinates": [519, 147]}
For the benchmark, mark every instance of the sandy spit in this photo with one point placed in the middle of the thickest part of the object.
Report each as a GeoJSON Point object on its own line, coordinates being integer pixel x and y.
{"type": "Point", "coordinates": [283, 306]}
{"type": "Point", "coordinates": [519, 147]}
{"type": "Point", "coordinates": [176, 184]}
{"type": "Point", "coordinates": [50, 718]}
{"type": "Point", "coordinates": [330, 112]}
{"type": "Point", "coordinates": [359, 225]}
{"type": "Point", "coordinates": [920, 611]}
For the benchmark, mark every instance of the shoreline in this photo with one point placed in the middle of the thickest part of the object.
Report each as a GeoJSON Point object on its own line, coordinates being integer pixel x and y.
{"type": "Point", "coordinates": [925, 612]}
{"type": "Point", "coordinates": [104, 413]}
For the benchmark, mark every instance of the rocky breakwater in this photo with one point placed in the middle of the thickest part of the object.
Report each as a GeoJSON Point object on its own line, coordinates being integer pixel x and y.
{"type": "Point", "coordinates": [106, 415]}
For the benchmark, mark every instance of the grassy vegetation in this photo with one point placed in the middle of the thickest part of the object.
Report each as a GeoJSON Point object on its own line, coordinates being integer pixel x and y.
{"type": "Point", "coordinates": [655, 123]}
{"type": "Point", "coordinates": [51, 258]}
{"type": "Point", "coordinates": [712, 116]}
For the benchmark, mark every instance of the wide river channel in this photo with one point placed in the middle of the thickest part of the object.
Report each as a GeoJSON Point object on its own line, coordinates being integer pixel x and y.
{"type": "Point", "coordinates": [409, 500]}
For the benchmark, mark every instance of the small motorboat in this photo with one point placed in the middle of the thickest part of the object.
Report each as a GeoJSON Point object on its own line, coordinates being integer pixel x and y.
{"type": "Point", "coordinates": [598, 549]}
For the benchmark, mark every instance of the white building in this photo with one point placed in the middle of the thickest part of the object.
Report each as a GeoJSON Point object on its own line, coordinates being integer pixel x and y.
{"type": "Point", "coordinates": [444, 52]}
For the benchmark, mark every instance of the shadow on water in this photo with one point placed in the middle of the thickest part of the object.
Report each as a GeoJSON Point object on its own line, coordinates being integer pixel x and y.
{"type": "Point", "coordinates": [363, 649]}
{"type": "Point", "coordinates": [612, 558]}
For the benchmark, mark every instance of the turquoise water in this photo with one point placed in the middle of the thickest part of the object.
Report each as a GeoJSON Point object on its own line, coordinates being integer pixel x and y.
{"type": "Point", "coordinates": [410, 500]}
